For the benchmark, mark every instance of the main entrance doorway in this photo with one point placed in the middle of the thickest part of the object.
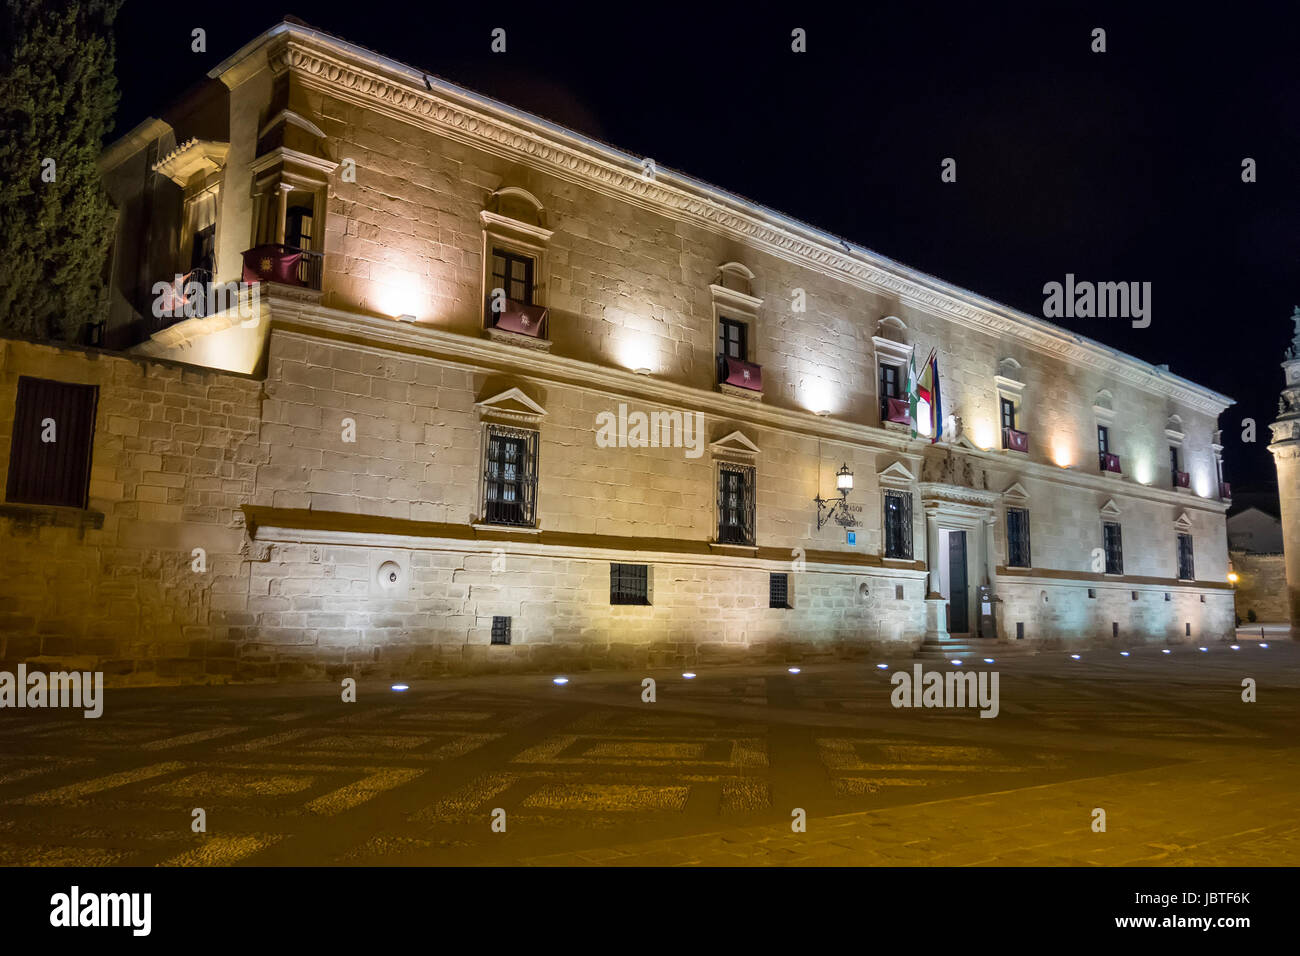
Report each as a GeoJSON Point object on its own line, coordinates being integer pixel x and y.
{"type": "Point", "coordinates": [958, 596]}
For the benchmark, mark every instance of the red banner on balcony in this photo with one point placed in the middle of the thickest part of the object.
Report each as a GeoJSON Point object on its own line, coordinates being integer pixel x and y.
{"type": "Point", "coordinates": [898, 411]}
{"type": "Point", "coordinates": [1015, 440]}
{"type": "Point", "coordinates": [1110, 462]}
{"type": "Point", "coordinates": [522, 318]}
{"type": "Point", "coordinates": [1225, 491]}
{"type": "Point", "coordinates": [744, 374]}
{"type": "Point", "coordinates": [1182, 479]}
{"type": "Point", "coordinates": [273, 262]}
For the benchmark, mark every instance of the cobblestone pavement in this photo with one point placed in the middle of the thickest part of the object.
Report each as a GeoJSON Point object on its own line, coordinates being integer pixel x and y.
{"type": "Point", "coordinates": [710, 773]}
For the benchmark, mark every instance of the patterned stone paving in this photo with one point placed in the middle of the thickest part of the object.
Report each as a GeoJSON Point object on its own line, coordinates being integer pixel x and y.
{"type": "Point", "coordinates": [708, 774]}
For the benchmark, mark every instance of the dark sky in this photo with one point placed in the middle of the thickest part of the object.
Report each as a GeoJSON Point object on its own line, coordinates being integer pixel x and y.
{"type": "Point", "coordinates": [1122, 166]}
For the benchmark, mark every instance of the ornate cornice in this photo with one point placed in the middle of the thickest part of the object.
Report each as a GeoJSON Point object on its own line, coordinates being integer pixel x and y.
{"type": "Point", "coordinates": [376, 82]}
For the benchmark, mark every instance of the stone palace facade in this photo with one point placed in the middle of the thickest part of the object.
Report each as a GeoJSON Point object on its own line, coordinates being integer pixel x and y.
{"type": "Point", "coordinates": [487, 393]}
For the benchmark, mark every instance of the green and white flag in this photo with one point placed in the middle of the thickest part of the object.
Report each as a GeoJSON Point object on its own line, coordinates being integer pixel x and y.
{"type": "Point", "coordinates": [912, 396]}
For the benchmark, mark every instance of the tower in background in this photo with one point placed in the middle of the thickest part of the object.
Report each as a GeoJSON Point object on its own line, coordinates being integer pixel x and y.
{"type": "Point", "coordinates": [1286, 456]}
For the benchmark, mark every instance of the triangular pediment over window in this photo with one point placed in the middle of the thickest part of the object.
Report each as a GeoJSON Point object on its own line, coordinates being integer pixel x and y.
{"type": "Point", "coordinates": [734, 445]}
{"type": "Point", "coordinates": [512, 405]}
{"type": "Point", "coordinates": [1183, 522]}
{"type": "Point", "coordinates": [896, 474]}
{"type": "Point", "coordinates": [1110, 509]}
{"type": "Point", "coordinates": [1016, 492]}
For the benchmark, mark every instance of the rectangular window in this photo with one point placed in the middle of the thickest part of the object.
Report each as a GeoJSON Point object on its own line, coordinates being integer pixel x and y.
{"type": "Point", "coordinates": [889, 388]}
{"type": "Point", "coordinates": [1008, 413]}
{"type": "Point", "coordinates": [735, 504]}
{"type": "Point", "coordinates": [1113, 546]}
{"type": "Point", "coordinates": [500, 630]}
{"type": "Point", "coordinates": [513, 273]}
{"type": "Point", "coordinates": [733, 339]}
{"type": "Point", "coordinates": [1017, 538]}
{"type": "Point", "coordinates": [778, 590]}
{"type": "Point", "coordinates": [1173, 464]}
{"type": "Point", "coordinates": [203, 255]}
{"type": "Point", "coordinates": [510, 477]}
{"type": "Point", "coordinates": [1103, 439]}
{"type": "Point", "coordinates": [49, 455]}
{"type": "Point", "coordinates": [898, 524]}
{"type": "Point", "coordinates": [1186, 569]}
{"type": "Point", "coordinates": [629, 584]}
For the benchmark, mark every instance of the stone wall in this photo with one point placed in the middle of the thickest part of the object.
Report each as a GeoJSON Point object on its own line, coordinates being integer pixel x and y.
{"type": "Point", "coordinates": [1261, 587]}
{"type": "Point", "coordinates": [113, 587]}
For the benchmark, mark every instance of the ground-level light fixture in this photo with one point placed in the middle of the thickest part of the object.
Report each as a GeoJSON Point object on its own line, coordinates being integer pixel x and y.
{"type": "Point", "coordinates": [1204, 650]}
{"type": "Point", "coordinates": [836, 508]}
{"type": "Point", "coordinates": [1264, 646]}
{"type": "Point", "coordinates": [793, 670]}
{"type": "Point", "coordinates": [560, 680]}
{"type": "Point", "coordinates": [955, 662]}
{"type": "Point", "coordinates": [1165, 650]}
{"type": "Point", "coordinates": [882, 667]}
{"type": "Point", "coordinates": [689, 675]}
{"type": "Point", "coordinates": [406, 317]}
{"type": "Point", "coordinates": [400, 687]}
{"type": "Point", "coordinates": [1233, 577]}
{"type": "Point", "coordinates": [1074, 657]}
{"type": "Point", "coordinates": [989, 660]}
{"type": "Point", "coordinates": [642, 371]}
{"type": "Point", "coordinates": [1235, 647]}
{"type": "Point", "coordinates": [1123, 653]}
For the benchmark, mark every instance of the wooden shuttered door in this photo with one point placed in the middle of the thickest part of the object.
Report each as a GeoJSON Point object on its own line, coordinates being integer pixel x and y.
{"type": "Point", "coordinates": [49, 455]}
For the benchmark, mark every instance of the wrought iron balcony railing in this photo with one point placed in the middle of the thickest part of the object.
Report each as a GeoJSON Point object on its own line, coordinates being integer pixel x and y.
{"type": "Point", "coordinates": [276, 262]}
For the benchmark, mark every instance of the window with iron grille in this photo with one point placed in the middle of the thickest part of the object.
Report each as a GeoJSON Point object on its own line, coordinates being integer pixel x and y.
{"type": "Point", "coordinates": [49, 454]}
{"type": "Point", "coordinates": [888, 388]}
{"type": "Point", "coordinates": [898, 524]}
{"type": "Point", "coordinates": [1186, 570]}
{"type": "Point", "coordinates": [735, 504]}
{"type": "Point", "coordinates": [1018, 538]}
{"type": "Point", "coordinates": [1114, 547]}
{"type": "Point", "coordinates": [778, 590]}
{"type": "Point", "coordinates": [629, 584]}
{"type": "Point", "coordinates": [512, 273]}
{"type": "Point", "coordinates": [510, 476]}
{"type": "Point", "coordinates": [500, 630]}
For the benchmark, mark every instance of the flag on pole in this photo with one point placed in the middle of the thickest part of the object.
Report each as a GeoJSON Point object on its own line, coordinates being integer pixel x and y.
{"type": "Point", "coordinates": [928, 407]}
{"type": "Point", "coordinates": [911, 391]}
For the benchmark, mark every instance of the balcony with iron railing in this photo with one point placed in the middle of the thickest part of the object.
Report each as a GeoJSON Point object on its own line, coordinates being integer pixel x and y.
{"type": "Point", "coordinates": [287, 265]}
{"type": "Point", "coordinates": [1109, 463]}
{"type": "Point", "coordinates": [1014, 440]}
{"type": "Point", "coordinates": [185, 297]}
{"type": "Point", "coordinates": [734, 373]}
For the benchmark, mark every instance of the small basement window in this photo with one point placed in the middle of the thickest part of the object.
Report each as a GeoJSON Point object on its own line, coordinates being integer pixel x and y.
{"type": "Point", "coordinates": [778, 590]}
{"type": "Point", "coordinates": [500, 630]}
{"type": "Point", "coordinates": [629, 584]}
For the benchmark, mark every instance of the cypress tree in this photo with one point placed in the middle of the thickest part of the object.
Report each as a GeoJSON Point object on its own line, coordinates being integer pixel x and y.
{"type": "Point", "coordinates": [57, 97]}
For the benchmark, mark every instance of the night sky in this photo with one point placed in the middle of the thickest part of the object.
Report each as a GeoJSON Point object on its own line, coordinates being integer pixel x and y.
{"type": "Point", "coordinates": [1122, 166]}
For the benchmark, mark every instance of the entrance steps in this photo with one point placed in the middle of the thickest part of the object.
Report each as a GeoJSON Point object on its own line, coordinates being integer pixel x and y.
{"type": "Point", "coordinates": [972, 648]}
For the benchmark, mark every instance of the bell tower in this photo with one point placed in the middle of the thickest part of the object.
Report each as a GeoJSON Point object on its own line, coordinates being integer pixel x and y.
{"type": "Point", "coordinates": [1286, 456]}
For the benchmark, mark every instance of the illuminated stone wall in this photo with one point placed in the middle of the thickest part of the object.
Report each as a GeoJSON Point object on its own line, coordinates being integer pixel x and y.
{"type": "Point", "coordinates": [113, 587]}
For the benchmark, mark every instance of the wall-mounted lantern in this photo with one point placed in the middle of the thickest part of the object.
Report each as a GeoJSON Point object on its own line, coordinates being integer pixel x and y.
{"type": "Point", "coordinates": [836, 508]}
